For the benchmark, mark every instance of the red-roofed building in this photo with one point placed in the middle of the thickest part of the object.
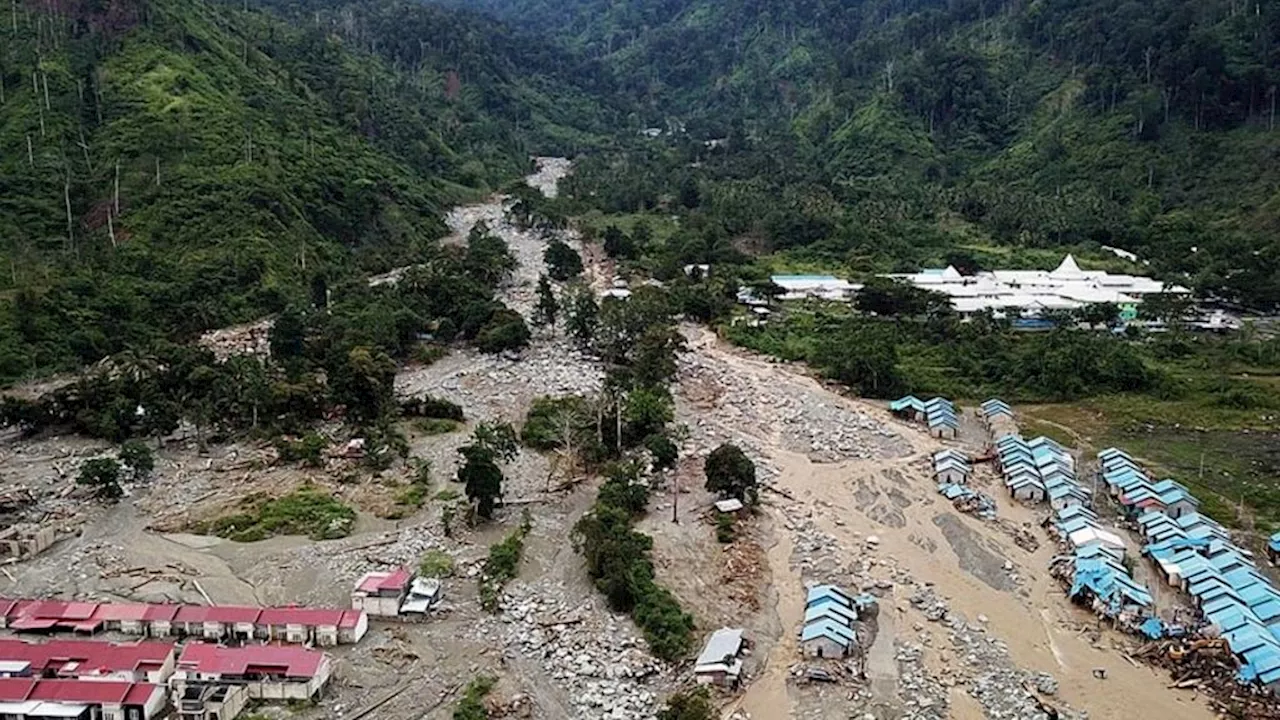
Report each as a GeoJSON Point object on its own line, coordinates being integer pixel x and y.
{"type": "Point", "coordinates": [267, 672]}
{"type": "Point", "coordinates": [301, 625]}
{"type": "Point", "coordinates": [295, 625]}
{"type": "Point", "coordinates": [53, 615]}
{"type": "Point", "coordinates": [6, 609]}
{"type": "Point", "coordinates": [150, 662]}
{"type": "Point", "coordinates": [157, 621]}
{"type": "Point", "coordinates": [381, 593]}
{"type": "Point", "coordinates": [25, 699]}
{"type": "Point", "coordinates": [214, 622]}
{"type": "Point", "coordinates": [353, 626]}
{"type": "Point", "coordinates": [127, 618]}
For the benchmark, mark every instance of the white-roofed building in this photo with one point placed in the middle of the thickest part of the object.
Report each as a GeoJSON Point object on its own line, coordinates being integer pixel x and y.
{"type": "Point", "coordinates": [1033, 292]}
{"type": "Point", "coordinates": [720, 663]}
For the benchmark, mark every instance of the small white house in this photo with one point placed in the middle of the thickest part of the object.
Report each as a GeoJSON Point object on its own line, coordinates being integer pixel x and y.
{"type": "Point", "coordinates": [952, 472]}
{"type": "Point", "coordinates": [720, 662]}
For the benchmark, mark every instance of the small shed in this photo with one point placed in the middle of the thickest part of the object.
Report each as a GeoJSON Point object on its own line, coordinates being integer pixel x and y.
{"type": "Point", "coordinates": [731, 506]}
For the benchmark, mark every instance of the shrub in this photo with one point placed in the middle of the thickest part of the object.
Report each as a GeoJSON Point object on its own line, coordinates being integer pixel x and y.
{"type": "Point", "coordinates": [503, 564]}
{"type": "Point", "coordinates": [506, 330]}
{"type": "Point", "coordinates": [432, 407]}
{"type": "Point", "coordinates": [136, 456]}
{"type": "Point", "coordinates": [471, 706]}
{"type": "Point", "coordinates": [103, 475]}
{"type": "Point", "coordinates": [691, 705]}
{"type": "Point", "coordinates": [725, 530]}
{"type": "Point", "coordinates": [436, 564]}
{"type": "Point", "coordinates": [730, 473]}
{"type": "Point", "coordinates": [308, 450]}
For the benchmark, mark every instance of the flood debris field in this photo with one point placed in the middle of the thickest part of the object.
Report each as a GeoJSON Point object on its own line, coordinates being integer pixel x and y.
{"type": "Point", "coordinates": [969, 624]}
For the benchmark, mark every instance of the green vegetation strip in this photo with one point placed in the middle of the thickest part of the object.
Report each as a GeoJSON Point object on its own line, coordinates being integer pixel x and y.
{"type": "Point", "coordinates": [305, 511]}
{"type": "Point", "coordinates": [618, 561]}
{"type": "Point", "coordinates": [502, 565]}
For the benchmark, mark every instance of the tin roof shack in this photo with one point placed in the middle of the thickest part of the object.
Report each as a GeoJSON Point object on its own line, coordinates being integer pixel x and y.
{"type": "Point", "coordinates": [209, 701]}
{"type": "Point", "coordinates": [266, 672]}
{"type": "Point", "coordinates": [26, 699]}
{"type": "Point", "coordinates": [424, 593]}
{"type": "Point", "coordinates": [143, 661]}
{"type": "Point", "coordinates": [381, 593]}
{"type": "Point", "coordinates": [720, 662]}
{"type": "Point", "coordinates": [25, 540]}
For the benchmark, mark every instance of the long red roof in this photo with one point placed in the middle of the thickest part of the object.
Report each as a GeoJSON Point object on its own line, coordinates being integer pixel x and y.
{"type": "Point", "coordinates": [49, 614]}
{"type": "Point", "coordinates": [77, 691]}
{"type": "Point", "coordinates": [86, 657]}
{"type": "Point", "coordinates": [294, 662]}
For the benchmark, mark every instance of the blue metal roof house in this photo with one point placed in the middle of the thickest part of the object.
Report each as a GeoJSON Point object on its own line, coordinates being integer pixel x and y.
{"type": "Point", "coordinates": [822, 594]}
{"type": "Point", "coordinates": [826, 638]}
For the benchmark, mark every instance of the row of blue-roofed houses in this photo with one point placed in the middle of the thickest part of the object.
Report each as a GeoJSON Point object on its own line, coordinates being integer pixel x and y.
{"type": "Point", "coordinates": [939, 414]}
{"type": "Point", "coordinates": [1039, 469]}
{"type": "Point", "coordinates": [1196, 554]}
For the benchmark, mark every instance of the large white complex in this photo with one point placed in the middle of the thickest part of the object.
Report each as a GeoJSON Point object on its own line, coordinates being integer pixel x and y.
{"type": "Point", "coordinates": [1030, 292]}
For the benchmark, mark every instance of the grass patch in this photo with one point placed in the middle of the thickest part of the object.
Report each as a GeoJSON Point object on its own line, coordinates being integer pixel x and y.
{"type": "Point", "coordinates": [1221, 454]}
{"type": "Point", "coordinates": [448, 495]}
{"type": "Point", "coordinates": [503, 564]}
{"type": "Point", "coordinates": [436, 426]}
{"type": "Point", "coordinates": [305, 511]}
{"type": "Point", "coordinates": [436, 564]}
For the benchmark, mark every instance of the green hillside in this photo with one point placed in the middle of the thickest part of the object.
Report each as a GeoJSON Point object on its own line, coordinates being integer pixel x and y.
{"type": "Point", "coordinates": [170, 166]}
{"type": "Point", "coordinates": [889, 133]}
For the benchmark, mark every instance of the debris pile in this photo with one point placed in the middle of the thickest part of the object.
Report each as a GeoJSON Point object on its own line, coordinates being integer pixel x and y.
{"type": "Point", "coordinates": [1207, 665]}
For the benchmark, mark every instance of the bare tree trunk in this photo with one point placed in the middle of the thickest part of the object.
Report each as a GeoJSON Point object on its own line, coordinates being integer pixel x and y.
{"type": "Point", "coordinates": [111, 228]}
{"type": "Point", "coordinates": [157, 171]}
{"type": "Point", "coordinates": [88, 163]}
{"type": "Point", "coordinates": [45, 76]}
{"type": "Point", "coordinates": [66, 196]}
{"type": "Point", "coordinates": [31, 154]}
{"type": "Point", "coordinates": [117, 186]}
{"type": "Point", "coordinates": [618, 439]}
{"type": "Point", "coordinates": [675, 498]}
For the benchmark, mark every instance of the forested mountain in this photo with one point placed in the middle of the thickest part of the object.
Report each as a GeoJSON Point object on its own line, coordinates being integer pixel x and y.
{"type": "Point", "coordinates": [168, 166]}
{"type": "Point", "coordinates": [949, 126]}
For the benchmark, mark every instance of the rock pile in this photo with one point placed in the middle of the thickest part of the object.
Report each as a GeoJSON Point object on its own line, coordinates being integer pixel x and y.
{"type": "Point", "coordinates": [806, 419]}
{"type": "Point", "coordinates": [595, 657]}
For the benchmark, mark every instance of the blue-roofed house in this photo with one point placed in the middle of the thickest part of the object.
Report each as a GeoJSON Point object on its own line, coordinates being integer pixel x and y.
{"type": "Point", "coordinates": [951, 470]}
{"type": "Point", "coordinates": [1273, 547]}
{"type": "Point", "coordinates": [831, 611]}
{"type": "Point", "coordinates": [1065, 495]}
{"type": "Point", "coordinates": [1177, 501]}
{"type": "Point", "coordinates": [826, 638]}
{"type": "Point", "coordinates": [823, 594]}
{"type": "Point", "coordinates": [1026, 488]}
{"type": "Point", "coordinates": [909, 407]}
